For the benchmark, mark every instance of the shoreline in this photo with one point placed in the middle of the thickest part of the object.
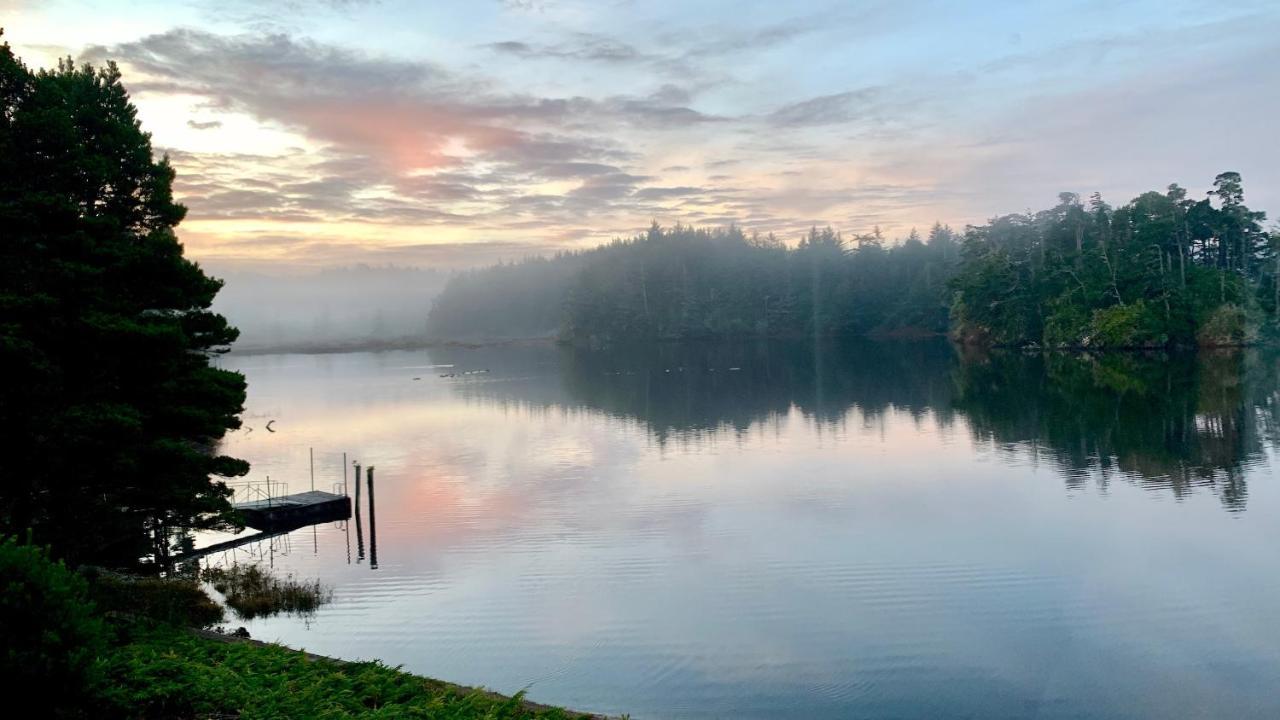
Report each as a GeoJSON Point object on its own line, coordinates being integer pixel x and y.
{"type": "Point", "coordinates": [356, 346]}
{"type": "Point", "coordinates": [433, 683]}
{"type": "Point", "coordinates": [155, 668]}
{"type": "Point", "coordinates": [410, 343]}
{"type": "Point", "coordinates": [152, 654]}
{"type": "Point", "coordinates": [339, 348]}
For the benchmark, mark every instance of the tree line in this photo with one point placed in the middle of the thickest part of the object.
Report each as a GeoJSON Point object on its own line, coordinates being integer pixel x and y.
{"type": "Point", "coordinates": [1161, 270]}
{"type": "Point", "coordinates": [686, 283]}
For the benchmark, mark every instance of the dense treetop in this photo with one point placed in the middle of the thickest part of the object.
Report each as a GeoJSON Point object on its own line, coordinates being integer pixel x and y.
{"type": "Point", "coordinates": [110, 406]}
{"type": "Point", "coordinates": [1163, 269]}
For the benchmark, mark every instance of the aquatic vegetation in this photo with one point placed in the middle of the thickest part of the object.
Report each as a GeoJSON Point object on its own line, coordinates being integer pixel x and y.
{"type": "Point", "coordinates": [253, 592]}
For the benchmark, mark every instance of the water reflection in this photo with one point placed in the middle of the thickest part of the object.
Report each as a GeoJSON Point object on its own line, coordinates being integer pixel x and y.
{"type": "Point", "coordinates": [795, 530]}
{"type": "Point", "coordinates": [373, 523]}
{"type": "Point", "coordinates": [691, 389]}
{"type": "Point", "coordinates": [1175, 422]}
{"type": "Point", "coordinates": [1167, 421]}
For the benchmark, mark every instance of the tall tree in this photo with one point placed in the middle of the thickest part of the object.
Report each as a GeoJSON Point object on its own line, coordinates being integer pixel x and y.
{"type": "Point", "coordinates": [111, 407]}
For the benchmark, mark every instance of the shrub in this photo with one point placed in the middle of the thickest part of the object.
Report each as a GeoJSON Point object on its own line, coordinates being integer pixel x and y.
{"type": "Point", "coordinates": [51, 639]}
{"type": "Point", "coordinates": [1136, 325]}
{"type": "Point", "coordinates": [177, 601]}
{"type": "Point", "coordinates": [1066, 326]}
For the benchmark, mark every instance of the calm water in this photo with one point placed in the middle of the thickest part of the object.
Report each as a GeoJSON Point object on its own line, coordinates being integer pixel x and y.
{"type": "Point", "coordinates": [792, 531]}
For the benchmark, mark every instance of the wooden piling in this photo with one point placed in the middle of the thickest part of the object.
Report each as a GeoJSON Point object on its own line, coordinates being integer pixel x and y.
{"type": "Point", "coordinates": [359, 529]}
{"type": "Point", "coordinates": [373, 525]}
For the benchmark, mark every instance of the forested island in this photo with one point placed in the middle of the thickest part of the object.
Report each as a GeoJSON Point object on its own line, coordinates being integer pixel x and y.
{"type": "Point", "coordinates": [1163, 270]}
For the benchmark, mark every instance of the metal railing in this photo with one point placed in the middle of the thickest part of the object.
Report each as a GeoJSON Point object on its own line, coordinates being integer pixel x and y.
{"type": "Point", "coordinates": [258, 491]}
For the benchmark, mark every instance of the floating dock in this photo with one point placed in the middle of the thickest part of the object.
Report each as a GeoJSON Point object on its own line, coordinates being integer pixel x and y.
{"type": "Point", "coordinates": [286, 511]}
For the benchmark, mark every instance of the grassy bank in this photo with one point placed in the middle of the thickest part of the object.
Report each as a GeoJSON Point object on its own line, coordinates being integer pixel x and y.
{"type": "Point", "coordinates": [163, 671]}
{"type": "Point", "coordinates": [89, 643]}
{"type": "Point", "coordinates": [159, 662]}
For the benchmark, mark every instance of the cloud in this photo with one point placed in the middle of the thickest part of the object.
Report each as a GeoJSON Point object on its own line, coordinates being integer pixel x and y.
{"type": "Point", "coordinates": [1090, 52]}
{"type": "Point", "coordinates": [665, 193]}
{"type": "Point", "coordinates": [829, 109]}
{"type": "Point", "coordinates": [279, 15]}
{"type": "Point", "coordinates": [380, 107]}
{"type": "Point", "coordinates": [524, 5]}
{"type": "Point", "coordinates": [421, 144]}
{"type": "Point", "coordinates": [578, 47]}
{"type": "Point", "coordinates": [268, 251]}
{"type": "Point", "coordinates": [1163, 128]}
{"type": "Point", "coordinates": [513, 47]}
{"type": "Point", "coordinates": [407, 114]}
{"type": "Point", "coordinates": [407, 143]}
{"type": "Point", "coordinates": [729, 40]}
{"type": "Point", "coordinates": [853, 115]}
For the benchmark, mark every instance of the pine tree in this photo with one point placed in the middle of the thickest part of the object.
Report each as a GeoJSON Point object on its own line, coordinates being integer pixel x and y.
{"type": "Point", "coordinates": [111, 409]}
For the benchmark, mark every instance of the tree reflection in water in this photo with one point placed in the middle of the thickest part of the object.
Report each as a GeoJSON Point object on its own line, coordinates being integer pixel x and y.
{"type": "Point", "coordinates": [1168, 421]}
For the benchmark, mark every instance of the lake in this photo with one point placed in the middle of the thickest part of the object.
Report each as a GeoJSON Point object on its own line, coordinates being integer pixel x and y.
{"type": "Point", "coordinates": [791, 530]}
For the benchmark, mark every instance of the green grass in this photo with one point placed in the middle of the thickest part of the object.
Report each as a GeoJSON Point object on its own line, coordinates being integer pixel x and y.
{"type": "Point", "coordinates": [163, 671]}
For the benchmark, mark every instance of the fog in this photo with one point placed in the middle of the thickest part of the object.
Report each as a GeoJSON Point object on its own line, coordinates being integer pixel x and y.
{"type": "Point", "coordinates": [339, 307]}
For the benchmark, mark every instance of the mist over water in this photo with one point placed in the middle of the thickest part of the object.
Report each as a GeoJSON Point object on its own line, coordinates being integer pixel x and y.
{"type": "Point", "coordinates": [792, 529]}
{"type": "Point", "coordinates": [354, 306]}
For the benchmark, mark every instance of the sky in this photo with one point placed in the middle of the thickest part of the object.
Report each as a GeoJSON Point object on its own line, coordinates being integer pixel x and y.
{"type": "Point", "coordinates": [315, 133]}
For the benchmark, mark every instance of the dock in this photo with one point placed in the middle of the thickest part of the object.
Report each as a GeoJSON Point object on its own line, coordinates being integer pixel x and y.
{"type": "Point", "coordinates": [291, 511]}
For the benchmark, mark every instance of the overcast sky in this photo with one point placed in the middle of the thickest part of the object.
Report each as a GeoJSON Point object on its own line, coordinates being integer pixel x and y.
{"type": "Point", "coordinates": [324, 132]}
